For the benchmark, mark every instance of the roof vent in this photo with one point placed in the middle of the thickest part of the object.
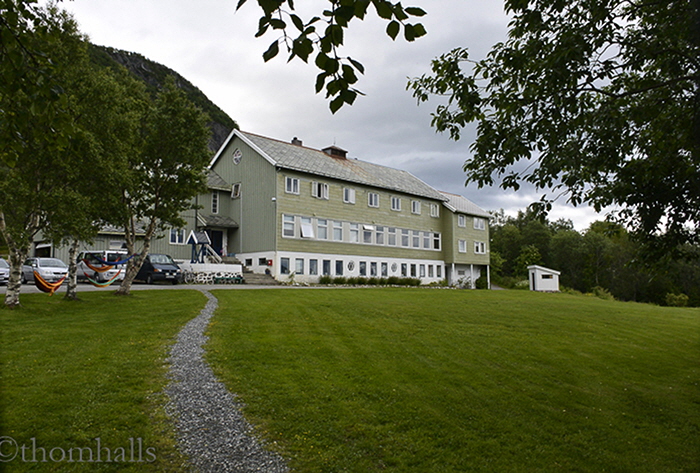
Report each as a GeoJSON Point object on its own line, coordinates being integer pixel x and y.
{"type": "Point", "coordinates": [296, 141]}
{"type": "Point", "coordinates": [336, 152]}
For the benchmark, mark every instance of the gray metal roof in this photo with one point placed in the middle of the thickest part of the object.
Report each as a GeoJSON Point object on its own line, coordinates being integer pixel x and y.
{"type": "Point", "coordinates": [299, 158]}
{"type": "Point", "coordinates": [221, 221]}
{"type": "Point", "coordinates": [460, 204]}
{"type": "Point", "coordinates": [215, 181]}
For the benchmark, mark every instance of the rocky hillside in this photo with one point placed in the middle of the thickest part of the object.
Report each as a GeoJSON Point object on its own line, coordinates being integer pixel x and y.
{"type": "Point", "coordinates": [154, 75]}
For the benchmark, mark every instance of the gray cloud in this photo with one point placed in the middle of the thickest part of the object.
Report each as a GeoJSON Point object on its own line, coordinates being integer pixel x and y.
{"type": "Point", "coordinates": [214, 47]}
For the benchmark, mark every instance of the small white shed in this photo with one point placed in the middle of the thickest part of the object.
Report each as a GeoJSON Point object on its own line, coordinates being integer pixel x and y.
{"type": "Point", "coordinates": [543, 279]}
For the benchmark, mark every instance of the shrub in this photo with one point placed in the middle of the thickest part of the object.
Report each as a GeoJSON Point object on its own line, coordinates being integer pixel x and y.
{"type": "Point", "coordinates": [340, 280]}
{"type": "Point", "coordinates": [361, 281]}
{"type": "Point", "coordinates": [372, 281]}
{"type": "Point", "coordinates": [325, 279]}
{"type": "Point", "coordinates": [522, 284]}
{"type": "Point", "coordinates": [602, 293]}
{"type": "Point", "coordinates": [393, 281]}
{"type": "Point", "coordinates": [352, 281]}
{"type": "Point", "coordinates": [481, 283]}
{"type": "Point", "coordinates": [676, 300]}
{"type": "Point", "coordinates": [382, 281]}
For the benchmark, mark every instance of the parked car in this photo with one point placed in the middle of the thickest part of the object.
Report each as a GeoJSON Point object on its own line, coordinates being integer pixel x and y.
{"type": "Point", "coordinates": [94, 258]}
{"type": "Point", "coordinates": [159, 268]}
{"type": "Point", "coordinates": [50, 269]}
{"type": "Point", "coordinates": [4, 272]}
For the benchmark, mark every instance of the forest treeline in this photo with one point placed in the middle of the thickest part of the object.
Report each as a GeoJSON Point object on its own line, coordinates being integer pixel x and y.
{"type": "Point", "coordinates": [602, 259]}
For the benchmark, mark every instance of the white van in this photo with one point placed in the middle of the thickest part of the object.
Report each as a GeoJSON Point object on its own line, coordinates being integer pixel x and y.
{"type": "Point", "coordinates": [94, 258]}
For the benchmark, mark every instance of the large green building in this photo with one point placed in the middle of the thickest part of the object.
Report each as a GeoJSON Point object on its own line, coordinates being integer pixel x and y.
{"type": "Point", "coordinates": [286, 209]}
{"type": "Point", "coordinates": [289, 209]}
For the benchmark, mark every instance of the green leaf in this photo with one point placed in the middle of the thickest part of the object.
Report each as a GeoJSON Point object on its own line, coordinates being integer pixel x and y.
{"type": "Point", "coordinates": [336, 103]}
{"type": "Point", "coordinates": [392, 29]}
{"type": "Point", "coordinates": [415, 11]}
{"type": "Point", "coordinates": [409, 32]}
{"type": "Point", "coordinates": [297, 22]}
{"type": "Point", "coordinates": [277, 24]}
{"type": "Point", "coordinates": [357, 65]}
{"type": "Point", "coordinates": [240, 4]}
{"type": "Point", "coordinates": [320, 81]}
{"type": "Point", "coordinates": [271, 51]}
{"type": "Point", "coordinates": [384, 9]}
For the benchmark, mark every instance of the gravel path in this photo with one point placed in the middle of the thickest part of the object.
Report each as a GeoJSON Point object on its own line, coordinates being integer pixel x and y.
{"type": "Point", "coordinates": [210, 427]}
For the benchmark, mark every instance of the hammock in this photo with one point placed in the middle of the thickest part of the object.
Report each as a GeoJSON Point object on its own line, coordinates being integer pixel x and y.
{"type": "Point", "coordinates": [100, 269]}
{"type": "Point", "coordinates": [116, 263]}
{"type": "Point", "coordinates": [102, 284]}
{"type": "Point", "coordinates": [45, 286]}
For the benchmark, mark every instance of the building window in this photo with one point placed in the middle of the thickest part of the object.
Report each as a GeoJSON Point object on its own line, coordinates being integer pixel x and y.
{"type": "Point", "coordinates": [436, 241]}
{"type": "Point", "coordinates": [438, 271]}
{"type": "Point", "coordinates": [262, 261]}
{"type": "Point", "coordinates": [461, 220]}
{"type": "Point", "coordinates": [373, 269]}
{"type": "Point", "coordinates": [215, 202]}
{"type": "Point", "coordinates": [354, 233]}
{"type": "Point", "coordinates": [322, 226]}
{"type": "Point", "coordinates": [288, 225]}
{"type": "Point", "coordinates": [426, 240]}
{"type": "Point", "coordinates": [415, 207]}
{"type": "Point", "coordinates": [404, 238]}
{"type": "Point", "coordinates": [416, 239]}
{"type": "Point", "coordinates": [363, 268]}
{"type": "Point", "coordinates": [326, 267]}
{"type": "Point", "coordinates": [479, 223]}
{"type": "Point", "coordinates": [404, 270]}
{"type": "Point", "coordinates": [413, 270]}
{"type": "Point", "coordinates": [385, 270]}
{"type": "Point", "coordinates": [392, 236]}
{"type": "Point", "coordinates": [299, 266]}
{"type": "Point", "coordinates": [462, 246]}
{"type": "Point", "coordinates": [379, 236]}
{"type": "Point", "coordinates": [339, 267]}
{"type": "Point", "coordinates": [430, 270]}
{"type": "Point", "coordinates": [313, 267]}
{"type": "Point", "coordinates": [284, 265]}
{"type": "Point", "coordinates": [373, 199]}
{"type": "Point", "coordinates": [434, 210]}
{"type": "Point", "coordinates": [307, 230]}
{"type": "Point", "coordinates": [479, 247]}
{"type": "Point", "coordinates": [367, 232]}
{"type": "Point", "coordinates": [236, 190]}
{"type": "Point", "coordinates": [396, 203]}
{"type": "Point", "coordinates": [292, 185]}
{"type": "Point", "coordinates": [319, 190]}
{"type": "Point", "coordinates": [177, 236]}
{"type": "Point", "coordinates": [337, 231]}
{"type": "Point", "coordinates": [348, 195]}
{"type": "Point", "coordinates": [421, 270]}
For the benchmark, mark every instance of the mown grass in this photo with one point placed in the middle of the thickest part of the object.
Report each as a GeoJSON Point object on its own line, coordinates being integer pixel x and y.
{"type": "Point", "coordinates": [416, 380]}
{"type": "Point", "coordinates": [72, 372]}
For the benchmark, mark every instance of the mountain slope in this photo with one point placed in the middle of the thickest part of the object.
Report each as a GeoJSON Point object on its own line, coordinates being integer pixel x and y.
{"type": "Point", "coordinates": [154, 74]}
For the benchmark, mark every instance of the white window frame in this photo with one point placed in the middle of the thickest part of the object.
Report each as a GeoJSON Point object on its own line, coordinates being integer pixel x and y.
{"type": "Point", "coordinates": [373, 199]}
{"type": "Point", "coordinates": [307, 229]}
{"type": "Point", "coordinates": [319, 190]}
{"type": "Point", "coordinates": [479, 223]}
{"type": "Point", "coordinates": [215, 202]}
{"type": "Point", "coordinates": [337, 230]}
{"type": "Point", "coordinates": [322, 228]}
{"type": "Point", "coordinates": [391, 239]}
{"type": "Point", "coordinates": [396, 204]}
{"type": "Point", "coordinates": [348, 195]}
{"type": "Point", "coordinates": [299, 266]}
{"type": "Point", "coordinates": [288, 226]}
{"type": "Point", "coordinates": [292, 185]}
{"type": "Point", "coordinates": [236, 190]}
{"type": "Point", "coordinates": [177, 236]}
{"type": "Point", "coordinates": [434, 210]}
{"type": "Point", "coordinates": [462, 246]}
{"type": "Point", "coordinates": [461, 220]}
{"type": "Point", "coordinates": [354, 233]}
{"type": "Point", "coordinates": [479, 248]}
{"type": "Point", "coordinates": [415, 207]}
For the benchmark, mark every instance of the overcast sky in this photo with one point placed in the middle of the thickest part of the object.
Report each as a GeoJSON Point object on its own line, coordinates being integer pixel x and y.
{"type": "Point", "coordinates": [214, 47]}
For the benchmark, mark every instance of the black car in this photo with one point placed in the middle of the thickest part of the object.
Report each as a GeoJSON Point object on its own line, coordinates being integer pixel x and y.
{"type": "Point", "coordinates": [159, 268]}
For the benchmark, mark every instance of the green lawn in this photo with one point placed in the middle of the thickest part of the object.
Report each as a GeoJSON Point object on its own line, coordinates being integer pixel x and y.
{"type": "Point", "coordinates": [424, 380]}
{"type": "Point", "coordinates": [72, 372]}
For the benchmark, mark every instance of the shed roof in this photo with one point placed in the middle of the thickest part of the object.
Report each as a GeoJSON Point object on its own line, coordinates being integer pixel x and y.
{"type": "Point", "coordinates": [308, 160]}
